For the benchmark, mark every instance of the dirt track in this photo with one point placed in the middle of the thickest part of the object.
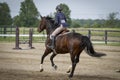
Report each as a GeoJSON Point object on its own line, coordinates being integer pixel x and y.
{"type": "Point", "coordinates": [24, 64]}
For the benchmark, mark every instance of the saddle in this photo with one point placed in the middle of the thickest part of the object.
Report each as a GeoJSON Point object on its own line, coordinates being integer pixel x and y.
{"type": "Point", "coordinates": [62, 32]}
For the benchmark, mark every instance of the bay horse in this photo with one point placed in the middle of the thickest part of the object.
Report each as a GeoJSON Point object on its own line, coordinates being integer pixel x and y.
{"type": "Point", "coordinates": [69, 42]}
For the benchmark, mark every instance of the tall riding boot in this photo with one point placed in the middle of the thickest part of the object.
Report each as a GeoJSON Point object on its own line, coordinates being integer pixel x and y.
{"type": "Point", "coordinates": [52, 42]}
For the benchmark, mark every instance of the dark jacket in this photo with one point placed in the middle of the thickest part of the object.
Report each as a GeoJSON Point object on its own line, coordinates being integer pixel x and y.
{"type": "Point", "coordinates": [60, 19]}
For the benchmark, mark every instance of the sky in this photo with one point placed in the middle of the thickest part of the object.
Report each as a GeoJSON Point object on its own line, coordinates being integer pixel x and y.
{"type": "Point", "coordinates": [80, 9]}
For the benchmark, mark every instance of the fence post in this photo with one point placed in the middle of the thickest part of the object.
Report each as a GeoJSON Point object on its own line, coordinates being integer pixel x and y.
{"type": "Point", "coordinates": [106, 36]}
{"type": "Point", "coordinates": [5, 31]}
{"type": "Point", "coordinates": [0, 29]}
{"type": "Point", "coordinates": [89, 34]}
{"type": "Point", "coordinates": [17, 39]}
{"type": "Point", "coordinates": [30, 38]}
{"type": "Point", "coordinates": [11, 29]}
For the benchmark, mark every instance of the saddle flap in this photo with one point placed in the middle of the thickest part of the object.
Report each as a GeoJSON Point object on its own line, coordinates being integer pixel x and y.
{"type": "Point", "coordinates": [64, 31]}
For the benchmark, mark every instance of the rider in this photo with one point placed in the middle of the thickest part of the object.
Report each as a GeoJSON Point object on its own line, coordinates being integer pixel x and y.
{"type": "Point", "coordinates": [60, 20]}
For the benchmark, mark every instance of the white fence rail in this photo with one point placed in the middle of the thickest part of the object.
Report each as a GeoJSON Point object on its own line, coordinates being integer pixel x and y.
{"type": "Point", "coordinates": [22, 35]}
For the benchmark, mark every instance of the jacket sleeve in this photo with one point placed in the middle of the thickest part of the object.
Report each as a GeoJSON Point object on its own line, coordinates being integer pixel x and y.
{"type": "Point", "coordinates": [56, 19]}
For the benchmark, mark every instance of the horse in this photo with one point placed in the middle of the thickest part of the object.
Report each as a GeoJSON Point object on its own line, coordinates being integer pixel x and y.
{"type": "Point", "coordinates": [65, 42]}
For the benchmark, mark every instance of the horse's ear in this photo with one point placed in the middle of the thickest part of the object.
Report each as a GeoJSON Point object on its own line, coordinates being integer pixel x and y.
{"type": "Point", "coordinates": [40, 16]}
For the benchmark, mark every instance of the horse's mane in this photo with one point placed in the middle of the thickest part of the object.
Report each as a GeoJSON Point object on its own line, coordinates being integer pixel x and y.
{"type": "Point", "coordinates": [50, 19]}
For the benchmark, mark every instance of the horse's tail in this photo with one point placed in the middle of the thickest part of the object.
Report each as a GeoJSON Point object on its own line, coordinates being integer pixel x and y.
{"type": "Point", "coordinates": [90, 50]}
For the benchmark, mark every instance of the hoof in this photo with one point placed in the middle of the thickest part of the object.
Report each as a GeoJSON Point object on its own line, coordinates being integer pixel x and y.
{"type": "Point", "coordinates": [68, 71]}
{"type": "Point", "coordinates": [55, 67]}
{"type": "Point", "coordinates": [70, 76]}
{"type": "Point", "coordinates": [41, 70]}
{"type": "Point", "coordinates": [118, 71]}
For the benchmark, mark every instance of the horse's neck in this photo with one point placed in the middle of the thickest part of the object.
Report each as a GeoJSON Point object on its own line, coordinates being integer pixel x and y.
{"type": "Point", "coordinates": [50, 28]}
{"type": "Point", "coordinates": [49, 31]}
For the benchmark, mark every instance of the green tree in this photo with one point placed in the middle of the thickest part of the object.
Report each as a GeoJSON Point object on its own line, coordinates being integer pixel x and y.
{"type": "Point", "coordinates": [75, 23]}
{"type": "Point", "coordinates": [5, 17]}
{"type": "Point", "coordinates": [96, 25]}
{"type": "Point", "coordinates": [16, 21]}
{"type": "Point", "coordinates": [111, 20]}
{"type": "Point", "coordinates": [28, 14]}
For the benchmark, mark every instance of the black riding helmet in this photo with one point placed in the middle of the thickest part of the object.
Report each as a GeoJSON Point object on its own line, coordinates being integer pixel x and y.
{"type": "Point", "coordinates": [59, 8]}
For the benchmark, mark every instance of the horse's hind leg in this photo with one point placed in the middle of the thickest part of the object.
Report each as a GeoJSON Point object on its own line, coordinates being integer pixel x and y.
{"type": "Point", "coordinates": [73, 65]}
{"type": "Point", "coordinates": [76, 61]}
{"type": "Point", "coordinates": [42, 59]}
{"type": "Point", "coordinates": [52, 62]}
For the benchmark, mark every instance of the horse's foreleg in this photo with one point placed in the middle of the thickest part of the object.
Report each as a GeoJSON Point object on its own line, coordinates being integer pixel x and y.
{"type": "Point", "coordinates": [52, 62]}
{"type": "Point", "coordinates": [42, 59]}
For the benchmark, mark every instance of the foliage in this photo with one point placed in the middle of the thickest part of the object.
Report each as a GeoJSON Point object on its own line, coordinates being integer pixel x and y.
{"type": "Point", "coordinates": [5, 17]}
{"type": "Point", "coordinates": [16, 21]}
{"type": "Point", "coordinates": [112, 21]}
{"type": "Point", "coordinates": [75, 23]}
{"type": "Point", "coordinates": [28, 15]}
{"type": "Point", "coordinates": [88, 23]}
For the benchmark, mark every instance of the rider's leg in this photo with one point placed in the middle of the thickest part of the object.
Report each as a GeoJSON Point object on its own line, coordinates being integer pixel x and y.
{"type": "Point", "coordinates": [52, 36]}
{"type": "Point", "coordinates": [58, 30]}
{"type": "Point", "coordinates": [52, 42]}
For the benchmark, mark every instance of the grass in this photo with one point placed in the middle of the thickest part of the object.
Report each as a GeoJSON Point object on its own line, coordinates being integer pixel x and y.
{"type": "Point", "coordinates": [7, 39]}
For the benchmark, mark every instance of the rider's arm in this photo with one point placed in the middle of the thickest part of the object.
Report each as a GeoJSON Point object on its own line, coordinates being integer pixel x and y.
{"type": "Point", "coordinates": [56, 19]}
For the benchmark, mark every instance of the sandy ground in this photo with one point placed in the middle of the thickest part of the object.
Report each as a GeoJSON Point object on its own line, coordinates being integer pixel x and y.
{"type": "Point", "coordinates": [24, 64]}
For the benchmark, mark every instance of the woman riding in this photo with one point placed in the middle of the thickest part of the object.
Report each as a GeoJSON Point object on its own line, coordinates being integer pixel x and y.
{"type": "Point", "coordinates": [61, 22]}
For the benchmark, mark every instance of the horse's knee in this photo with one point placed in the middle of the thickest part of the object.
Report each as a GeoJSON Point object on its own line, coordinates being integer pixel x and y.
{"type": "Point", "coordinates": [52, 56]}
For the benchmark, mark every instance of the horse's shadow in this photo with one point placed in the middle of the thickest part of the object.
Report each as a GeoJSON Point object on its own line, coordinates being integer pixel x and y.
{"type": "Point", "coordinates": [101, 54]}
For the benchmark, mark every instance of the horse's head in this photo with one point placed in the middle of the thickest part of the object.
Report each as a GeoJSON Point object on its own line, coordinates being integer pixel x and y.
{"type": "Point", "coordinates": [43, 24]}
{"type": "Point", "coordinates": [46, 23]}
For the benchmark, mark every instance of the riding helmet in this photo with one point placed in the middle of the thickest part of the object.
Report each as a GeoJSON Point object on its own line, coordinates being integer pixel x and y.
{"type": "Point", "coordinates": [59, 8]}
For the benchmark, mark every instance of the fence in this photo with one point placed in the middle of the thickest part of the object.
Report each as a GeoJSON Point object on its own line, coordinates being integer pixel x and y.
{"type": "Point", "coordinates": [6, 29]}
{"type": "Point", "coordinates": [17, 40]}
{"type": "Point", "coordinates": [103, 36]}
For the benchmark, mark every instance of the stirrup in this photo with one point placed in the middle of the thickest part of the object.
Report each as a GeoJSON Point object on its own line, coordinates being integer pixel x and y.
{"type": "Point", "coordinates": [50, 46]}
{"type": "Point", "coordinates": [54, 51]}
